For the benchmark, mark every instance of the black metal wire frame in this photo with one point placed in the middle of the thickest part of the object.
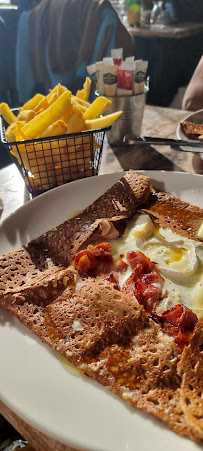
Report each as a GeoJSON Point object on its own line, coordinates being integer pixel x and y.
{"type": "Point", "coordinates": [49, 162]}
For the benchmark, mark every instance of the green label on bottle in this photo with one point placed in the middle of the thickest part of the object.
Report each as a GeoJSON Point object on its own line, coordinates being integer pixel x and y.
{"type": "Point", "coordinates": [134, 3]}
{"type": "Point", "coordinates": [134, 7]}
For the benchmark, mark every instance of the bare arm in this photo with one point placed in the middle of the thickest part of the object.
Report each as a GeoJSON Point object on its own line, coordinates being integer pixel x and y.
{"type": "Point", "coordinates": [193, 98]}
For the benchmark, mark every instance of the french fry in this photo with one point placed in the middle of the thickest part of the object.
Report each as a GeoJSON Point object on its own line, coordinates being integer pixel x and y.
{"type": "Point", "coordinates": [98, 107]}
{"type": "Point", "coordinates": [56, 160]}
{"type": "Point", "coordinates": [10, 135]}
{"type": "Point", "coordinates": [16, 128]}
{"type": "Point", "coordinates": [75, 123]}
{"type": "Point", "coordinates": [85, 92]}
{"type": "Point", "coordinates": [19, 151]}
{"type": "Point", "coordinates": [30, 105]}
{"type": "Point", "coordinates": [41, 166]}
{"type": "Point", "coordinates": [78, 155]}
{"type": "Point", "coordinates": [43, 120]}
{"type": "Point", "coordinates": [52, 98]}
{"type": "Point", "coordinates": [44, 182]}
{"type": "Point", "coordinates": [80, 101]}
{"type": "Point", "coordinates": [58, 90]}
{"type": "Point", "coordinates": [61, 89]}
{"type": "Point", "coordinates": [66, 117]}
{"type": "Point", "coordinates": [26, 115]}
{"type": "Point", "coordinates": [71, 173]}
{"type": "Point", "coordinates": [39, 157]}
{"type": "Point", "coordinates": [7, 114]}
{"type": "Point", "coordinates": [102, 122]}
{"type": "Point", "coordinates": [57, 128]}
{"type": "Point", "coordinates": [27, 153]}
{"type": "Point", "coordinates": [85, 141]}
{"type": "Point", "coordinates": [34, 183]}
{"type": "Point", "coordinates": [50, 152]}
{"type": "Point", "coordinates": [42, 172]}
{"type": "Point", "coordinates": [96, 145]}
{"type": "Point", "coordinates": [20, 125]}
{"type": "Point", "coordinates": [83, 108]}
{"type": "Point", "coordinates": [59, 154]}
{"type": "Point", "coordinates": [42, 105]}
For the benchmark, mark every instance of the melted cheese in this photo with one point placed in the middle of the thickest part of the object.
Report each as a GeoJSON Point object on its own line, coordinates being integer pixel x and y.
{"type": "Point", "coordinates": [200, 231]}
{"type": "Point", "coordinates": [179, 260]}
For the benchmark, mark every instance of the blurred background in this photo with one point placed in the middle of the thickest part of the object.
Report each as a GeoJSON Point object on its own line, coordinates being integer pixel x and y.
{"type": "Point", "coordinates": [169, 34]}
{"type": "Point", "coordinates": [172, 58]}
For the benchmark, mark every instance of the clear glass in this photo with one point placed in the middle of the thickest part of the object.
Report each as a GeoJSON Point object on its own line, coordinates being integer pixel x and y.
{"type": "Point", "coordinates": [120, 7]}
{"type": "Point", "coordinates": [145, 13]}
{"type": "Point", "coordinates": [159, 15]}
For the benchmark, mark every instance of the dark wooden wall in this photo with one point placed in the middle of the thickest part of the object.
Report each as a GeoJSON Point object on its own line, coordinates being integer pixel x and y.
{"type": "Point", "coordinates": [186, 10]}
{"type": "Point", "coordinates": [189, 10]}
{"type": "Point", "coordinates": [172, 61]}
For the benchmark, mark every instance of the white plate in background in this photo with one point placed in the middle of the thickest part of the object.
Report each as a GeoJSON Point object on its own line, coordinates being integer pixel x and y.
{"type": "Point", "coordinates": [197, 118]}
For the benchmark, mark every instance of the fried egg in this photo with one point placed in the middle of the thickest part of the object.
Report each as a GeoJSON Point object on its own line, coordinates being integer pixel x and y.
{"type": "Point", "coordinates": [179, 260]}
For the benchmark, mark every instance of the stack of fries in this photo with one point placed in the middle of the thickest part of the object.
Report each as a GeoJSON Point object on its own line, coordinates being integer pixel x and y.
{"type": "Point", "coordinates": [37, 136]}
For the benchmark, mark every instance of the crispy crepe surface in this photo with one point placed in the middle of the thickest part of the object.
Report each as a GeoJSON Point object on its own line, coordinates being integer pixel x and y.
{"type": "Point", "coordinates": [175, 214]}
{"type": "Point", "coordinates": [34, 268]}
{"type": "Point", "coordinates": [192, 130]}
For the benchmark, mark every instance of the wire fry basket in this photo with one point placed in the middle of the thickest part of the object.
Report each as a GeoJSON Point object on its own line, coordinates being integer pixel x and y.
{"type": "Point", "coordinates": [52, 161]}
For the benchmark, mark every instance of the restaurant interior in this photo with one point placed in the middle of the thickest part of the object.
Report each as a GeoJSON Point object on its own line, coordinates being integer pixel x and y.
{"type": "Point", "coordinates": [41, 46]}
{"type": "Point", "coordinates": [173, 50]}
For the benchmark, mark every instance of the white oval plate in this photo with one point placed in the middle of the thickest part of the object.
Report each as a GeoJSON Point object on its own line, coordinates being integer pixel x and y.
{"type": "Point", "coordinates": [196, 117]}
{"type": "Point", "coordinates": [33, 380]}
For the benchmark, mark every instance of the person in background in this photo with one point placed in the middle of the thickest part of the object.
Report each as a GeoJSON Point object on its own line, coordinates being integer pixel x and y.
{"type": "Point", "coordinates": [4, 73]}
{"type": "Point", "coordinates": [193, 97]}
{"type": "Point", "coordinates": [5, 85]}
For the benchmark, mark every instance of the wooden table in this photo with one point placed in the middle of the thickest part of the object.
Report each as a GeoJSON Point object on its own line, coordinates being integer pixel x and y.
{"type": "Point", "coordinates": [157, 121]}
{"type": "Point", "coordinates": [177, 31]}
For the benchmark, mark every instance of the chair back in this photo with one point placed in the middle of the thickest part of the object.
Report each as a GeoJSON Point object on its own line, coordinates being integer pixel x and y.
{"type": "Point", "coordinates": [106, 39]}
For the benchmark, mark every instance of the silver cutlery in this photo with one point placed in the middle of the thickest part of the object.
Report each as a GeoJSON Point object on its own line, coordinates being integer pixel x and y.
{"type": "Point", "coordinates": [197, 146]}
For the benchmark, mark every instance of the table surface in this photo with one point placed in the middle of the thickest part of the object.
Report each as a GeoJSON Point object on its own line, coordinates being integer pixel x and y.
{"type": "Point", "coordinates": [159, 122]}
{"type": "Point", "coordinates": [180, 30]}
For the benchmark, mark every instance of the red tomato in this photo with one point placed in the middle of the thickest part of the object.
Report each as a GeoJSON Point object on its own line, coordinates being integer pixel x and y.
{"type": "Point", "coordinates": [179, 322]}
{"type": "Point", "coordinates": [145, 283]}
{"type": "Point", "coordinates": [94, 261]}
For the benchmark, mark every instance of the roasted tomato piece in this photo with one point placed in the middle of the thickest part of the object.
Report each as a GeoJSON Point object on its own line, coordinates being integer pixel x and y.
{"type": "Point", "coordinates": [121, 266]}
{"type": "Point", "coordinates": [83, 261]}
{"type": "Point", "coordinates": [179, 322]}
{"type": "Point", "coordinates": [113, 278]}
{"type": "Point", "coordinates": [138, 259]}
{"type": "Point", "coordinates": [145, 283]}
{"type": "Point", "coordinates": [94, 261]}
{"type": "Point", "coordinates": [103, 246]}
{"type": "Point", "coordinates": [180, 315]}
